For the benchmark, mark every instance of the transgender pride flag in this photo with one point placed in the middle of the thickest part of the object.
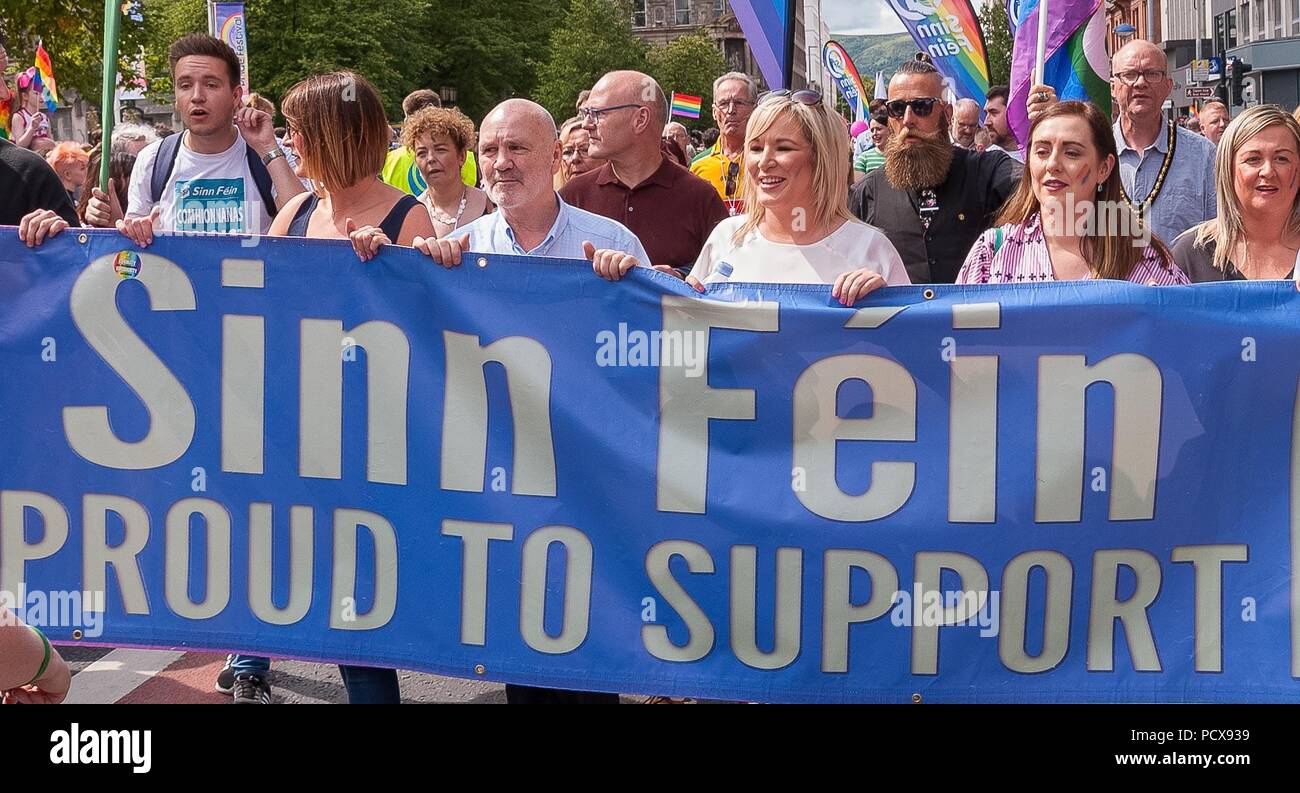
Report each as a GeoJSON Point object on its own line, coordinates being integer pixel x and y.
{"type": "Point", "coordinates": [1076, 63]}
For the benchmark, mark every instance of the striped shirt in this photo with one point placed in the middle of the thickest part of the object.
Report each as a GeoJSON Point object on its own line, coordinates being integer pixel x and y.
{"type": "Point", "coordinates": [1022, 257]}
{"type": "Point", "coordinates": [869, 160]}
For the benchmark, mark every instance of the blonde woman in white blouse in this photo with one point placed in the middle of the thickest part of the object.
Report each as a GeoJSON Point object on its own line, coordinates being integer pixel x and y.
{"type": "Point", "coordinates": [797, 228]}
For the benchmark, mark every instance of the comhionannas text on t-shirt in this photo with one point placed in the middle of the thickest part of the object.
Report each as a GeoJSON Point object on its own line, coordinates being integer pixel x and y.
{"type": "Point", "coordinates": [211, 205]}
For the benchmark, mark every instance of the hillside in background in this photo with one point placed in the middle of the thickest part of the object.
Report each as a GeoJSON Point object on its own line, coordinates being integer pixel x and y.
{"type": "Point", "coordinates": [877, 53]}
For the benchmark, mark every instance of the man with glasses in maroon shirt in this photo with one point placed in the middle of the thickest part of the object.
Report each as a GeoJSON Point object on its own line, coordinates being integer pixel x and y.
{"type": "Point", "coordinates": [670, 210]}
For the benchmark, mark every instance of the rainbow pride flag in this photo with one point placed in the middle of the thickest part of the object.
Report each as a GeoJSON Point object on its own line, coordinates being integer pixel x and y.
{"type": "Point", "coordinates": [1076, 64]}
{"type": "Point", "coordinates": [686, 105]}
{"type": "Point", "coordinates": [949, 32]}
{"type": "Point", "coordinates": [43, 65]}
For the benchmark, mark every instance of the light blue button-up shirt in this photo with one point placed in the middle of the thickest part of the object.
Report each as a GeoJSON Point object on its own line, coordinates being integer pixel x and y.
{"type": "Point", "coordinates": [1187, 197]}
{"type": "Point", "coordinates": [572, 227]}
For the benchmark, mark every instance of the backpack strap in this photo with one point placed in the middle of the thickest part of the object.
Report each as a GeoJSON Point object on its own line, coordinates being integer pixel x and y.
{"type": "Point", "coordinates": [262, 178]}
{"type": "Point", "coordinates": [163, 165]}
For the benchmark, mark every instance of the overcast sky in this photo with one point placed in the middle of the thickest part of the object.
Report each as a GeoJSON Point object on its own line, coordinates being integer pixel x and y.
{"type": "Point", "coordinates": [860, 16]}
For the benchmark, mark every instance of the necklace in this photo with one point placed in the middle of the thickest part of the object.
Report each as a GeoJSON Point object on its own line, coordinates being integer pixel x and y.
{"type": "Point", "coordinates": [448, 220]}
{"type": "Point", "coordinates": [1142, 208]}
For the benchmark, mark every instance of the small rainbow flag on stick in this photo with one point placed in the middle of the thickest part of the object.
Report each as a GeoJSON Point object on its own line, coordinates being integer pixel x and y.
{"type": "Point", "coordinates": [46, 69]}
{"type": "Point", "coordinates": [687, 105]}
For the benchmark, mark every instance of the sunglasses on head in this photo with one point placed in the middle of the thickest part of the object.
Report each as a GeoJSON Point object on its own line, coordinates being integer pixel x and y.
{"type": "Point", "coordinates": [805, 96]}
{"type": "Point", "coordinates": [921, 108]}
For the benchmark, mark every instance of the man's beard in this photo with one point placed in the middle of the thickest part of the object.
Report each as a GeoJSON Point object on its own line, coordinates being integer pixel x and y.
{"type": "Point", "coordinates": [921, 163]}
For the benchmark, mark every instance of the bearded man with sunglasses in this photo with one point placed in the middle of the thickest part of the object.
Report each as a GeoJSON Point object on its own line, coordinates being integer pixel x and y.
{"type": "Point", "coordinates": [932, 199]}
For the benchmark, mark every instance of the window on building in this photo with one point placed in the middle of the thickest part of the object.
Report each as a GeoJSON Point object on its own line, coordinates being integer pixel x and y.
{"type": "Point", "coordinates": [720, 6]}
{"type": "Point", "coordinates": [659, 15]}
{"type": "Point", "coordinates": [1257, 29]}
{"type": "Point", "coordinates": [1245, 23]}
{"type": "Point", "coordinates": [1232, 28]}
{"type": "Point", "coordinates": [1295, 17]}
{"type": "Point", "coordinates": [1275, 11]}
{"type": "Point", "coordinates": [638, 13]}
{"type": "Point", "coordinates": [683, 15]}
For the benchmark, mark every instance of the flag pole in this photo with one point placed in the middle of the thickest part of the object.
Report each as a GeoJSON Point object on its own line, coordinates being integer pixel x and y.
{"type": "Point", "coordinates": [1041, 55]}
{"type": "Point", "coordinates": [112, 21]}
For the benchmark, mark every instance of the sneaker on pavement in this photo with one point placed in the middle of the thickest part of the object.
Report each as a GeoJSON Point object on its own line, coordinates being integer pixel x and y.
{"type": "Point", "coordinates": [226, 677]}
{"type": "Point", "coordinates": [251, 689]}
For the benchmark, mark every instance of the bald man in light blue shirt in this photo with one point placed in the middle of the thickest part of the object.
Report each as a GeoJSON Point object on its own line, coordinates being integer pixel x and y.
{"type": "Point", "coordinates": [519, 152]}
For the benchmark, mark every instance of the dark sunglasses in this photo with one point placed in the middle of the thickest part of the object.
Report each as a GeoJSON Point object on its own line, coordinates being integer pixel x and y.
{"type": "Point", "coordinates": [805, 96]}
{"type": "Point", "coordinates": [922, 107]}
{"type": "Point", "coordinates": [733, 171]}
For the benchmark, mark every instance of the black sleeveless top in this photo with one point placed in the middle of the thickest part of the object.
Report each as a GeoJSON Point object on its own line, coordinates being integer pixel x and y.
{"type": "Point", "coordinates": [391, 224]}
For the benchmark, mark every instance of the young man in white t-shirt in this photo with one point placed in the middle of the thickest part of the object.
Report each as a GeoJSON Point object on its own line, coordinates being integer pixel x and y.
{"type": "Point", "coordinates": [211, 187]}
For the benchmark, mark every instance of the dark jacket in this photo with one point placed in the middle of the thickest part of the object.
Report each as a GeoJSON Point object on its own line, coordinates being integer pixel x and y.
{"type": "Point", "coordinates": [969, 199]}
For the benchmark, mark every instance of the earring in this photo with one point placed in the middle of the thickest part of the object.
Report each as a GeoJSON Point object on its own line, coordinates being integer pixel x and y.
{"type": "Point", "coordinates": [1100, 186]}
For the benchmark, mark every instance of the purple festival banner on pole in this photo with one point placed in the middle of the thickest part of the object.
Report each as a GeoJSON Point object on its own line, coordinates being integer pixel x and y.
{"type": "Point", "coordinates": [768, 25]}
{"type": "Point", "coordinates": [227, 22]}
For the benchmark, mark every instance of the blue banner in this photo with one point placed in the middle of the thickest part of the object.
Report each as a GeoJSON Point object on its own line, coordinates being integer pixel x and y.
{"type": "Point", "coordinates": [516, 471]}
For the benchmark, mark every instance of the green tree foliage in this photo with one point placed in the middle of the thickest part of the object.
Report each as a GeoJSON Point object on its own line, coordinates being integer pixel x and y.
{"type": "Point", "coordinates": [73, 34]}
{"type": "Point", "coordinates": [292, 39]}
{"type": "Point", "coordinates": [997, 42]}
{"type": "Point", "coordinates": [485, 49]}
{"type": "Point", "coordinates": [689, 65]}
{"type": "Point", "coordinates": [594, 37]}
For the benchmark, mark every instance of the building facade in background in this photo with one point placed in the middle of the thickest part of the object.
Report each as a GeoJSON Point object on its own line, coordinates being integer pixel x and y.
{"type": "Point", "coordinates": [1266, 35]}
{"type": "Point", "coordinates": [661, 21]}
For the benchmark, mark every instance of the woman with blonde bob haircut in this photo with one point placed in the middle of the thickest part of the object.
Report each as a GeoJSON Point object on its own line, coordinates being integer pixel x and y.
{"type": "Point", "coordinates": [797, 227]}
{"type": "Point", "coordinates": [1068, 220]}
{"type": "Point", "coordinates": [1256, 235]}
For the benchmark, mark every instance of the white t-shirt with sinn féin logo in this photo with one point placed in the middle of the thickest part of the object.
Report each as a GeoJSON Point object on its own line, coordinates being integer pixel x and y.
{"type": "Point", "coordinates": [207, 193]}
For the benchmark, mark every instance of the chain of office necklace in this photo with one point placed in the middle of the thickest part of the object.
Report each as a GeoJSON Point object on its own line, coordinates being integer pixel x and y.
{"type": "Point", "coordinates": [448, 220]}
{"type": "Point", "coordinates": [1142, 208]}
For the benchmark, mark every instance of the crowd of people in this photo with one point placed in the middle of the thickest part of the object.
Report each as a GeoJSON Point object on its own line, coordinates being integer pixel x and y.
{"type": "Point", "coordinates": [787, 192]}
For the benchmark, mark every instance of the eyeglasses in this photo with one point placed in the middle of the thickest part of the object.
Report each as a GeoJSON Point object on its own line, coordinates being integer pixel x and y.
{"type": "Point", "coordinates": [921, 108]}
{"type": "Point", "coordinates": [569, 152]}
{"type": "Point", "coordinates": [733, 173]}
{"type": "Point", "coordinates": [806, 96]}
{"type": "Point", "coordinates": [595, 114]}
{"type": "Point", "coordinates": [732, 105]}
{"type": "Point", "coordinates": [1131, 78]}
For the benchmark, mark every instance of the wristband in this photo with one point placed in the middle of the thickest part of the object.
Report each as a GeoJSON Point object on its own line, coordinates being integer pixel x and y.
{"type": "Point", "coordinates": [271, 155]}
{"type": "Point", "coordinates": [44, 663]}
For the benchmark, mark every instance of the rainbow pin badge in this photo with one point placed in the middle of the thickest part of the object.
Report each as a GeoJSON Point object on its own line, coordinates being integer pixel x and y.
{"type": "Point", "coordinates": [127, 264]}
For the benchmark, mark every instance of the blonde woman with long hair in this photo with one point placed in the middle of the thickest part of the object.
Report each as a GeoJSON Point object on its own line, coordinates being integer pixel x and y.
{"type": "Point", "coordinates": [796, 227]}
{"type": "Point", "coordinates": [1257, 176]}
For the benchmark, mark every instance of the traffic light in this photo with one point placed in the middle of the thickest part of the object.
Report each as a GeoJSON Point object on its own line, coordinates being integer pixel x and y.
{"type": "Point", "coordinates": [1237, 69]}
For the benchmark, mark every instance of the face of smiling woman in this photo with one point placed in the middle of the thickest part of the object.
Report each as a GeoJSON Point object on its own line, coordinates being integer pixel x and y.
{"type": "Point", "coordinates": [1065, 163]}
{"type": "Point", "coordinates": [1265, 171]}
{"type": "Point", "coordinates": [780, 163]}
